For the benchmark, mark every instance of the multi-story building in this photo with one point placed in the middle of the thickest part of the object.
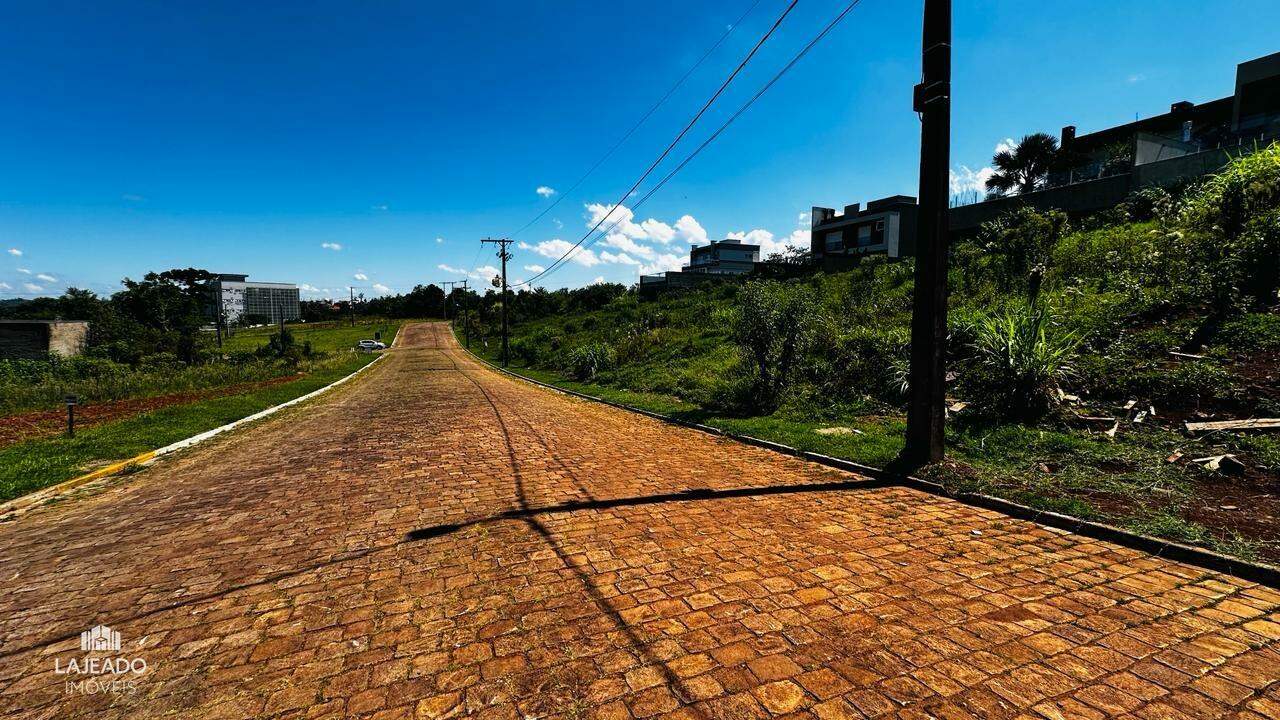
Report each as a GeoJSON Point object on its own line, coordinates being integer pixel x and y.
{"type": "Point", "coordinates": [887, 226]}
{"type": "Point", "coordinates": [723, 257]}
{"type": "Point", "coordinates": [1101, 168]}
{"type": "Point", "coordinates": [241, 300]}
{"type": "Point", "coordinates": [719, 259]}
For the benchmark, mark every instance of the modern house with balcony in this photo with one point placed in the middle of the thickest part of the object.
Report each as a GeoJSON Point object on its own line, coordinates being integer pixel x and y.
{"type": "Point", "coordinates": [886, 227]}
{"type": "Point", "coordinates": [1103, 167]}
{"type": "Point", "coordinates": [722, 258]}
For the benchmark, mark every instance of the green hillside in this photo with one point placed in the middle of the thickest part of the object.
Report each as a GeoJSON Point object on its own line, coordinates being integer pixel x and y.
{"type": "Point", "coordinates": [1065, 338]}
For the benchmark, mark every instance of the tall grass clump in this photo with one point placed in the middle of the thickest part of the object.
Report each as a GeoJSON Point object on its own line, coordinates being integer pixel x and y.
{"type": "Point", "coordinates": [1019, 358]}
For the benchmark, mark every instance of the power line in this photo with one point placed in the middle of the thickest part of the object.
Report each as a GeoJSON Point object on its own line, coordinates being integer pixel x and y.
{"type": "Point", "coordinates": [678, 138]}
{"type": "Point", "coordinates": [765, 88]}
{"type": "Point", "coordinates": [641, 121]}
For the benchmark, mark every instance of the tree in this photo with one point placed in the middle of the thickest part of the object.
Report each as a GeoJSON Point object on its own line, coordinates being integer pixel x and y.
{"type": "Point", "coordinates": [172, 303]}
{"type": "Point", "coordinates": [774, 324]}
{"type": "Point", "coordinates": [1025, 167]}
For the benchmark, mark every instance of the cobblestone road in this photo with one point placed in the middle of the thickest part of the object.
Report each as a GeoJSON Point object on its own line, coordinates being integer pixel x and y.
{"type": "Point", "coordinates": [437, 540]}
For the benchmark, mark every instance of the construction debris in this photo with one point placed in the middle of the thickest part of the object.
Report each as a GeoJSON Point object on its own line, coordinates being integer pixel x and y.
{"type": "Point", "coordinates": [1226, 464]}
{"type": "Point", "coordinates": [1255, 424]}
{"type": "Point", "coordinates": [839, 431]}
{"type": "Point", "coordinates": [1174, 457]}
{"type": "Point", "coordinates": [1112, 432]}
{"type": "Point", "coordinates": [1188, 356]}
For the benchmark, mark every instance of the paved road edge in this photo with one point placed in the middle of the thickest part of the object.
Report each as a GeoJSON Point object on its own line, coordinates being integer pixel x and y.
{"type": "Point", "coordinates": [21, 504]}
{"type": "Point", "coordinates": [1256, 572]}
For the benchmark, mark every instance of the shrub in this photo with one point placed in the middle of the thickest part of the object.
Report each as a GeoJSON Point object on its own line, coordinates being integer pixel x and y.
{"type": "Point", "coordinates": [1020, 244]}
{"type": "Point", "coordinates": [584, 362]}
{"type": "Point", "coordinates": [773, 325]}
{"type": "Point", "coordinates": [865, 361]}
{"type": "Point", "coordinates": [1147, 204]}
{"type": "Point", "coordinates": [1247, 188]}
{"type": "Point", "coordinates": [1019, 358]}
{"type": "Point", "coordinates": [1252, 332]}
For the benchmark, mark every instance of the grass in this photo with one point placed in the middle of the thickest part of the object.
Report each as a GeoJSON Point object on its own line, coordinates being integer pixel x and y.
{"type": "Point", "coordinates": [32, 465]}
{"type": "Point", "coordinates": [323, 336]}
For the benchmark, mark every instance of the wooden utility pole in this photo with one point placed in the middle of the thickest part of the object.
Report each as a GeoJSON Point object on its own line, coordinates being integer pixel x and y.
{"type": "Point", "coordinates": [351, 304]}
{"type": "Point", "coordinates": [503, 255]}
{"type": "Point", "coordinates": [926, 414]}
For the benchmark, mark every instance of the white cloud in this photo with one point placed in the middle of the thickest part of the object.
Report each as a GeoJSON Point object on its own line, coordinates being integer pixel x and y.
{"type": "Point", "coordinates": [1008, 144]}
{"type": "Point", "coordinates": [967, 180]}
{"type": "Point", "coordinates": [360, 276]}
{"type": "Point", "coordinates": [622, 242]}
{"type": "Point", "coordinates": [658, 231]}
{"type": "Point", "coordinates": [688, 229]}
{"type": "Point", "coordinates": [1136, 78]}
{"type": "Point", "coordinates": [380, 208]}
{"type": "Point", "coordinates": [32, 287]}
{"type": "Point", "coordinates": [559, 225]}
{"type": "Point", "coordinates": [663, 263]}
{"type": "Point", "coordinates": [331, 246]}
{"type": "Point", "coordinates": [556, 248]}
{"type": "Point", "coordinates": [451, 269]}
{"type": "Point", "coordinates": [381, 288]}
{"type": "Point", "coordinates": [24, 271]}
{"type": "Point", "coordinates": [5, 286]}
{"type": "Point", "coordinates": [802, 219]}
{"type": "Point", "coordinates": [770, 246]}
{"type": "Point", "coordinates": [598, 281]}
{"type": "Point", "coordinates": [534, 268]}
{"type": "Point", "coordinates": [15, 252]}
{"type": "Point", "coordinates": [545, 191]}
{"type": "Point", "coordinates": [620, 258]}
{"type": "Point", "coordinates": [616, 218]}
{"type": "Point", "coordinates": [47, 278]}
{"type": "Point", "coordinates": [439, 241]}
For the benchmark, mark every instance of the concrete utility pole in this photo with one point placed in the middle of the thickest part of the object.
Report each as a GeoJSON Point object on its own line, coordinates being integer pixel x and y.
{"type": "Point", "coordinates": [926, 414]}
{"type": "Point", "coordinates": [503, 255]}
{"type": "Point", "coordinates": [351, 304]}
{"type": "Point", "coordinates": [451, 284]}
{"type": "Point", "coordinates": [466, 316]}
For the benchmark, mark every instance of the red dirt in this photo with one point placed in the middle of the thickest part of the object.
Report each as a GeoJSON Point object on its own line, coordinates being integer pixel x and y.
{"type": "Point", "coordinates": [46, 423]}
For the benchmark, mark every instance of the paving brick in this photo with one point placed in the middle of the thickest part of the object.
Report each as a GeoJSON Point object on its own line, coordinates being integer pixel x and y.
{"type": "Point", "coordinates": [437, 540]}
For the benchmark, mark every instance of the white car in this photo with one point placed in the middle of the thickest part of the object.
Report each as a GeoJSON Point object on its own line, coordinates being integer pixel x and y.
{"type": "Point", "coordinates": [371, 345]}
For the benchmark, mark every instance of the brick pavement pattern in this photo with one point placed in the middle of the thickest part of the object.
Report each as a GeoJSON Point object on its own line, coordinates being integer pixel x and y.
{"type": "Point", "coordinates": [438, 540]}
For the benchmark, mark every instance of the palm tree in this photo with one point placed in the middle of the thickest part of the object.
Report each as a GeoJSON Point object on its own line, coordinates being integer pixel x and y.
{"type": "Point", "coordinates": [1024, 167]}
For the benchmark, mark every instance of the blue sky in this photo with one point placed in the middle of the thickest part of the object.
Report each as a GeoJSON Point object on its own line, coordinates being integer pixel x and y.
{"type": "Point", "coordinates": [372, 144]}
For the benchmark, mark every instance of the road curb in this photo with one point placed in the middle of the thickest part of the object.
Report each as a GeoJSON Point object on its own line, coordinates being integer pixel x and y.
{"type": "Point", "coordinates": [1260, 573]}
{"type": "Point", "coordinates": [19, 505]}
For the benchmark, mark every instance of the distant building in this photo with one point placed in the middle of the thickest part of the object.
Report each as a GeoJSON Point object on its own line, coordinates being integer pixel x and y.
{"type": "Point", "coordinates": [37, 339]}
{"type": "Point", "coordinates": [719, 259]}
{"type": "Point", "coordinates": [1189, 141]}
{"type": "Point", "coordinates": [886, 227]}
{"type": "Point", "coordinates": [238, 299]}
{"type": "Point", "coordinates": [723, 257]}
